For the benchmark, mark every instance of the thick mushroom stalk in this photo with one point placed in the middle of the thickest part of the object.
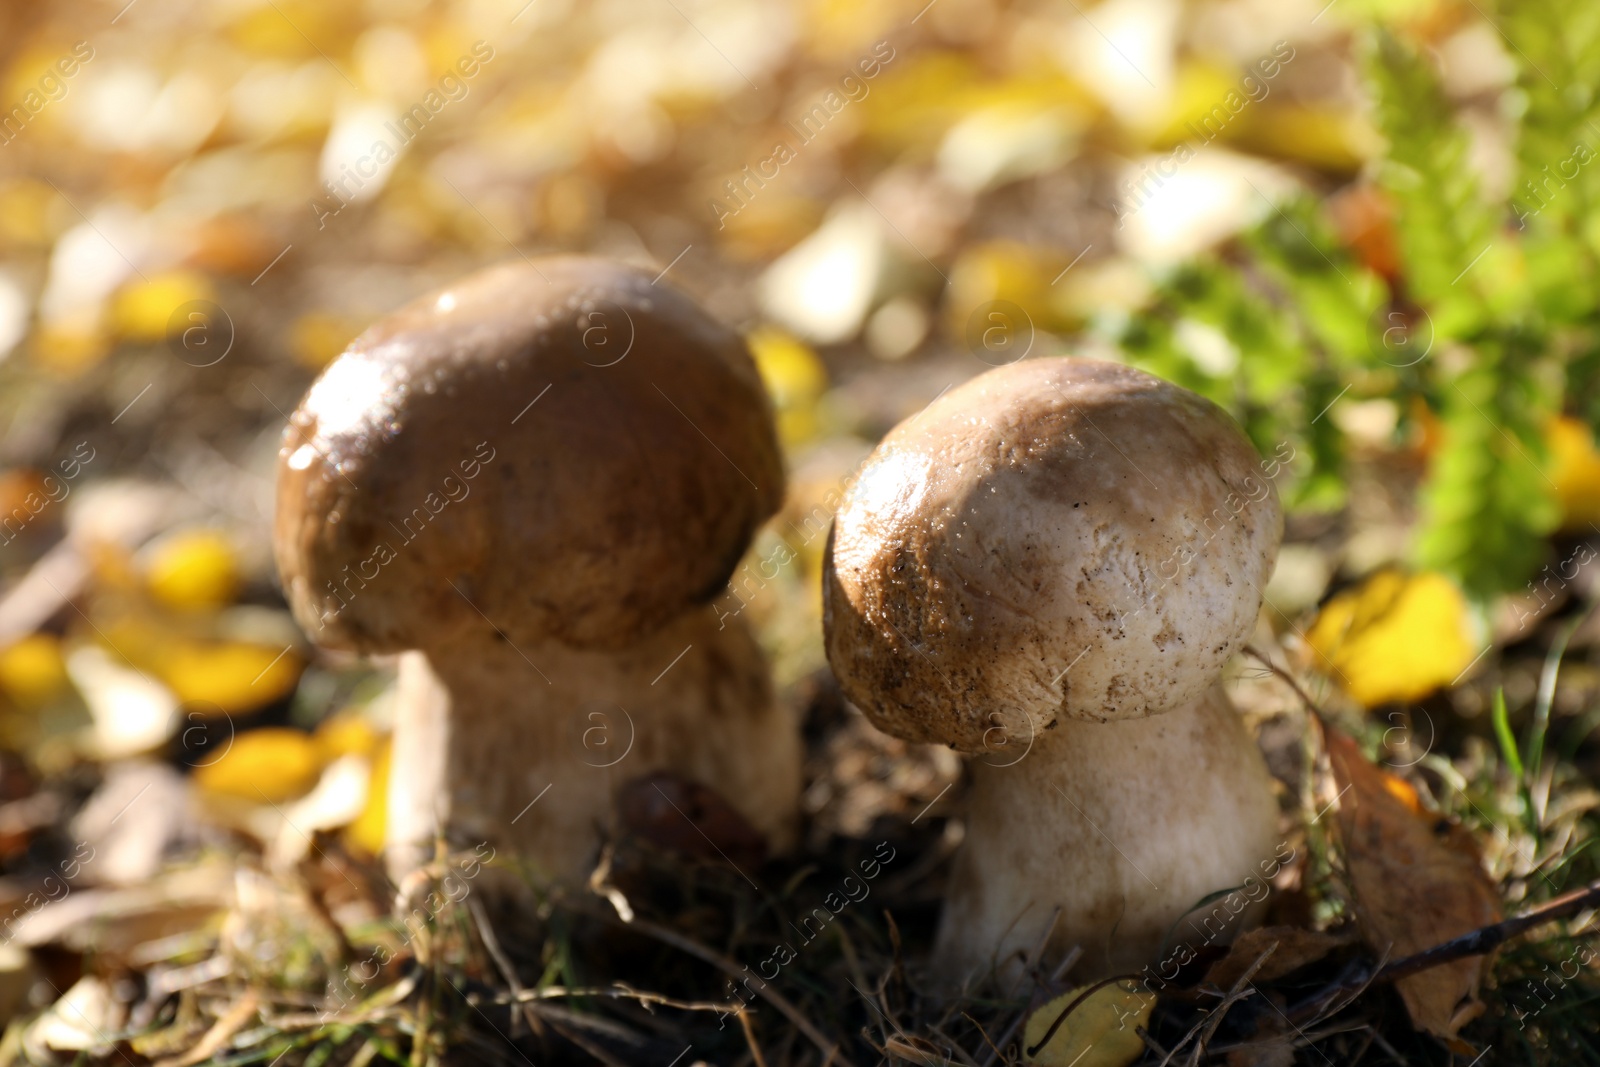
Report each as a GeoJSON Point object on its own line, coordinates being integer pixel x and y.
{"type": "Point", "coordinates": [531, 753]}
{"type": "Point", "coordinates": [1125, 826]}
{"type": "Point", "coordinates": [1037, 562]}
{"type": "Point", "coordinates": [531, 483]}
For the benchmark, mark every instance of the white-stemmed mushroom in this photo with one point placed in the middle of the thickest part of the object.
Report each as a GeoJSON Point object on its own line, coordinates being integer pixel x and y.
{"type": "Point", "coordinates": [530, 484]}
{"type": "Point", "coordinates": [1060, 556]}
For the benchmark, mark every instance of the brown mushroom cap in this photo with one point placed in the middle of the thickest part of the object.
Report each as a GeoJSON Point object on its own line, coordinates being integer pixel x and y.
{"type": "Point", "coordinates": [560, 447]}
{"type": "Point", "coordinates": [1054, 537]}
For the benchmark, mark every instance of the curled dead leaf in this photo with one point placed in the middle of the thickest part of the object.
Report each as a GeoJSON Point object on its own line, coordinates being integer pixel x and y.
{"type": "Point", "coordinates": [1417, 882]}
{"type": "Point", "coordinates": [1292, 946]}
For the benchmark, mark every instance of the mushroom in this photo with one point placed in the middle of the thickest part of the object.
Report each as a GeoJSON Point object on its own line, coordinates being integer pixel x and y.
{"type": "Point", "coordinates": [531, 484]}
{"type": "Point", "coordinates": [1050, 565]}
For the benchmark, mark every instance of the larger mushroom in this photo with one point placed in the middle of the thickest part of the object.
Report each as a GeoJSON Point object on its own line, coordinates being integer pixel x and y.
{"type": "Point", "coordinates": [531, 483]}
{"type": "Point", "coordinates": [1050, 566]}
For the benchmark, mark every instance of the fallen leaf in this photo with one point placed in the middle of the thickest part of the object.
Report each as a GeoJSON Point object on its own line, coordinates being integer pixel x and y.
{"type": "Point", "coordinates": [367, 833]}
{"type": "Point", "coordinates": [1397, 637]}
{"type": "Point", "coordinates": [1100, 1032]}
{"type": "Point", "coordinates": [1417, 882]}
{"type": "Point", "coordinates": [1295, 947]}
{"type": "Point", "coordinates": [132, 712]}
{"type": "Point", "coordinates": [230, 676]}
{"type": "Point", "coordinates": [346, 734]}
{"type": "Point", "coordinates": [33, 672]}
{"type": "Point", "coordinates": [79, 1021]}
{"type": "Point", "coordinates": [1364, 218]}
{"type": "Point", "coordinates": [794, 378]}
{"type": "Point", "coordinates": [269, 765]}
{"type": "Point", "coordinates": [338, 800]}
{"type": "Point", "coordinates": [194, 569]}
{"type": "Point", "coordinates": [1575, 470]}
{"type": "Point", "coordinates": [112, 923]}
{"type": "Point", "coordinates": [143, 310]}
{"type": "Point", "coordinates": [142, 812]}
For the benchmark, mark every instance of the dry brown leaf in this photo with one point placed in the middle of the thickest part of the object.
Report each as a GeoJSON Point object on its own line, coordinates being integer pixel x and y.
{"type": "Point", "coordinates": [1295, 948]}
{"type": "Point", "coordinates": [1417, 882]}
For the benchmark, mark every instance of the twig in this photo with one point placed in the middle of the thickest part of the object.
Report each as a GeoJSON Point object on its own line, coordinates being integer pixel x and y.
{"type": "Point", "coordinates": [1201, 1031]}
{"type": "Point", "coordinates": [829, 1049]}
{"type": "Point", "coordinates": [994, 1049]}
{"type": "Point", "coordinates": [1011, 1031]}
{"type": "Point", "coordinates": [950, 1044]}
{"type": "Point", "coordinates": [1476, 943]}
{"type": "Point", "coordinates": [1037, 952]}
{"type": "Point", "coordinates": [503, 963]}
{"type": "Point", "coordinates": [1488, 938]}
{"type": "Point", "coordinates": [1288, 679]}
{"type": "Point", "coordinates": [619, 991]}
{"type": "Point", "coordinates": [1314, 1010]}
{"type": "Point", "coordinates": [750, 1038]}
{"type": "Point", "coordinates": [222, 1031]}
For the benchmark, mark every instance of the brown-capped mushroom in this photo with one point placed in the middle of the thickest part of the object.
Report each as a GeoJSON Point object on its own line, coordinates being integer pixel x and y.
{"type": "Point", "coordinates": [1050, 566]}
{"type": "Point", "coordinates": [531, 483]}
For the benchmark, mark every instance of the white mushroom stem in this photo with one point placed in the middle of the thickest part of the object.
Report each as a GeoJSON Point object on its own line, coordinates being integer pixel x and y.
{"type": "Point", "coordinates": [526, 748]}
{"type": "Point", "coordinates": [1126, 827]}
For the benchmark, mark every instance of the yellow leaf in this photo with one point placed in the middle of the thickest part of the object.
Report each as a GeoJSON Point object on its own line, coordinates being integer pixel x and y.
{"type": "Point", "coordinates": [1199, 88]}
{"type": "Point", "coordinates": [144, 308]}
{"type": "Point", "coordinates": [1012, 273]}
{"type": "Point", "coordinates": [346, 734]}
{"type": "Point", "coordinates": [1575, 470]}
{"type": "Point", "coordinates": [794, 377]}
{"type": "Point", "coordinates": [1100, 1032]}
{"type": "Point", "coordinates": [1397, 637]}
{"type": "Point", "coordinates": [33, 672]}
{"type": "Point", "coordinates": [192, 570]}
{"type": "Point", "coordinates": [233, 676]}
{"type": "Point", "coordinates": [215, 675]}
{"type": "Point", "coordinates": [367, 832]}
{"type": "Point", "coordinates": [1333, 139]}
{"type": "Point", "coordinates": [269, 765]}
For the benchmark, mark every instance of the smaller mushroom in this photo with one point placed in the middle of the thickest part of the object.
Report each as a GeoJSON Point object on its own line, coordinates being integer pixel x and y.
{"type": "Point", "coordinates": [531, 484]}
{"type": "Point", "coordinates": [1050, 565]}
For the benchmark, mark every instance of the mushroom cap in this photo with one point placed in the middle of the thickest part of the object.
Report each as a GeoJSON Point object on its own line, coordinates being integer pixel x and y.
{"type": "Point", "coordinates": [1056, 537]}
{"type": "Point", "coordinates": [560, 447]}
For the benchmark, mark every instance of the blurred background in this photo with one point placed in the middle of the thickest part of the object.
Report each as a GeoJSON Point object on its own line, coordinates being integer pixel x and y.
{"type": "Point", "coordinates": [1366, 227]}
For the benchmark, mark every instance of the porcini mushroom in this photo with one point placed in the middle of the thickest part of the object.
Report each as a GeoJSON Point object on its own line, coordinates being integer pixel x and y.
{"type": "Point", "coordinates": [1050, 566]}
{"type": "Point", "coordinates": [531, 483]}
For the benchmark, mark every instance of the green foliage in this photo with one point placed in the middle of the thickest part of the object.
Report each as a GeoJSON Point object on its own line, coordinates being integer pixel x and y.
{"type": "Point", "coordinates": [1489, 327]}
{"type": "Point", "coordinates": [1443, 227]}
